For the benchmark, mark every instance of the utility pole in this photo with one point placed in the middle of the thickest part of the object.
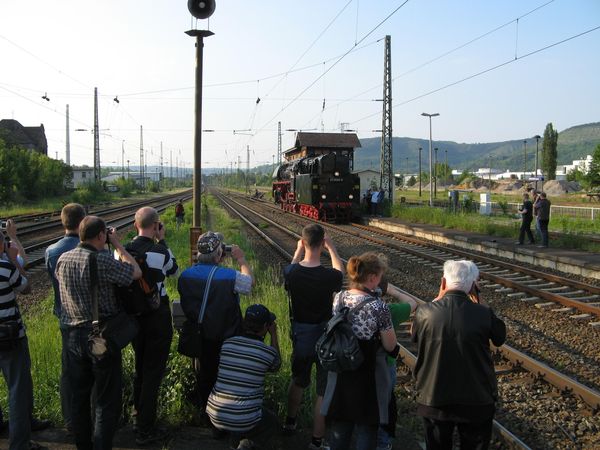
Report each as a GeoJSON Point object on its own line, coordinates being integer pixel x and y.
{"type": "Point", "coordinates": [430, 157]}
{"type": "Point", "coordinates": [247, 167]}
{"type": "Point", "coordinates": [161, 164]}
{"type": "Point", "coordinates": [387, 164]}
{"type": "Point", "coordinates": [490, 174]}
{"type": "Point", "coordinates": [171, 164]}
{"type": "Point", "coordinates": [142, 182]}
{"type": "Point", "coordinates": [435, 173]}
{"type": "Point", "coordinates": [524, 159]}
{"type": "Point", "coordinates": [97, 174]}
{"type": "Point", "coordinates": [446, 168]}
{"type": "Point", "coordinates": [123, 159]}
{"type": "Point", "coordinates": [537, 138]}
{"type": "Point", "coordinates": [68, 141]}
{"type": "Point", "coordinates": [279, 143]}
{"type": "Point", "coordinates": [420, 148]}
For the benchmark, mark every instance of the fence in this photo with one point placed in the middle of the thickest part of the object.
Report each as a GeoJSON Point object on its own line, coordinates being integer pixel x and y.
{"type": "Point", "coordinates": [579, 212]}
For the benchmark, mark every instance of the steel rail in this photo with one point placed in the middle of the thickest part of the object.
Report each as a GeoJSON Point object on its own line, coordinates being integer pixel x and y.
{"type": "Point", "coordinates": [563, 382]}
{"type": "Point", "coordinates": [119, 223]}
{"type": "Point", "coordinates": [573, 303]}
{"type": "Point", "coordinates": [25, 230]}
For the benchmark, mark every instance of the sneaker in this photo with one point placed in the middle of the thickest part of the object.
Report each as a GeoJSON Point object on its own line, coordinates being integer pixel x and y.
{"type": "Point", "coordinates": [157, 434]}
{"type": "Point", "coordinates": [38, 424]}
{"type": "Point", "coordinates": [246, 444]}
{"type": "Point", "coordinates": [35, 446]}
{"type": "Point", "coordinates": [323, 446]}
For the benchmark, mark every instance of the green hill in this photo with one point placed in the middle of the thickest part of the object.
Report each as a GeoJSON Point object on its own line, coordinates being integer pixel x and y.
{"type": "Point", "coordinates": [573, 143]}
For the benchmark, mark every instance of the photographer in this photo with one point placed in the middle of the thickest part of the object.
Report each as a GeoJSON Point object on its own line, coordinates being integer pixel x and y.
{"type": "Point", "coordinates": [153, 341]}
{"type": "Point", "coordinates": [222, 315]}
{"type": "Point", "coordinates": [235, 404]}
{"type": "Point", "coordinates": [455, 379]}
{"type": "Point", "coordinates": [11, 240]}
{"type": "Point", "coordinates": [86, 371]}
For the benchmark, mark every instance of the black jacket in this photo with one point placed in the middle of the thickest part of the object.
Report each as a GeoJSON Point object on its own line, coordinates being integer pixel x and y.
{"type": "Point", "coordinates": [454, 363]}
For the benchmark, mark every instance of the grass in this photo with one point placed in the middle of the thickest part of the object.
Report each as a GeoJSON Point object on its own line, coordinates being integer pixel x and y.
{"type": "Point", "coordinates": [174, 407]}
{"type": "Point", "coordinates": [502, 226]}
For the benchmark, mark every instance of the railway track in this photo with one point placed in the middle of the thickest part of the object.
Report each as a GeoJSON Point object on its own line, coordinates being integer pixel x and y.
{"type": "Point", "coordinates": [121, 217]}
{"type": "Point", "coordinates": [512, 360]}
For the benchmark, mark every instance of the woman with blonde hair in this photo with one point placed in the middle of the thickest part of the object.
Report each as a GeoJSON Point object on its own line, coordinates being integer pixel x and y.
{"type": "Point", "coordinates": [359, 399]}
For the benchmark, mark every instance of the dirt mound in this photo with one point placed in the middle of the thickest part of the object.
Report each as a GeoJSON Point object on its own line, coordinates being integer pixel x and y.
{"type": "Point", "coordinates": [556, 187]}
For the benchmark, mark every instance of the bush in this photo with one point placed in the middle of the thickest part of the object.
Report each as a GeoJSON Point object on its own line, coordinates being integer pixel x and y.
{"type": "Point", "coordinates": [91, 192]}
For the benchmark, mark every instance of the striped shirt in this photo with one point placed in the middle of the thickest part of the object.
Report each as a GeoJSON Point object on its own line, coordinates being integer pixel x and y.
{"type": "Point", "coordinates": [11, 281]}
{"type": "Point", "coordinates": [235, 402]}
{"type": "Point", "coordinates": [159, 258]}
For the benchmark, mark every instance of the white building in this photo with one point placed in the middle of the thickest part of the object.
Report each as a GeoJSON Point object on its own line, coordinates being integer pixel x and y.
{"type": "Point", "coordinates": [82, 175]}
{"type": "Point", "coordinates": [368, 179]}
{"type": "Point", "coordinates": [583, 165]}
{"type": "Point", "coordinates": [137, 176]}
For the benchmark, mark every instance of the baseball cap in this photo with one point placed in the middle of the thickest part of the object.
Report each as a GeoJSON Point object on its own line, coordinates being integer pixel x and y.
{"type": "Point", "coordinates": [259, 314]}
{"type": "Point", "coordinates": [209, 242]}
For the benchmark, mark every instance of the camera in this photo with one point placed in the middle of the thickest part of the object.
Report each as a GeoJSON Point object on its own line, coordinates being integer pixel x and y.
{"type": "Point", "coordinates": [226, 249]}
{"type": "Point", "coordinates": [2, 224]}
{"type": "Point", "coordinates": [108, 233]}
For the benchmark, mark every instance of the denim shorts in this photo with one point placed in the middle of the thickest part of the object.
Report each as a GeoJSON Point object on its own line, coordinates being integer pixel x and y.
{"type": "Point", "coordinates": [304, 338]}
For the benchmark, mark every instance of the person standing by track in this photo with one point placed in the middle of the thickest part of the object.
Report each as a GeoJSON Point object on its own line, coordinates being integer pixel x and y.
{"type": "Point", "coordinates": [526, 211]}
{"type": "Point", "coordinates": [543, 215]}
{"type": "Point", "coordinates": [310, 288]}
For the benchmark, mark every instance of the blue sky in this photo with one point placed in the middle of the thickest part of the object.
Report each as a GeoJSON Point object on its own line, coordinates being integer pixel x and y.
{"type": "Point", "coordinates": [132, 49]}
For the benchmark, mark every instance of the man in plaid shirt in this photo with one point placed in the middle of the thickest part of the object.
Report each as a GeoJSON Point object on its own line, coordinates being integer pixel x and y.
{"type": "Point", "coordinates": [84, 370]}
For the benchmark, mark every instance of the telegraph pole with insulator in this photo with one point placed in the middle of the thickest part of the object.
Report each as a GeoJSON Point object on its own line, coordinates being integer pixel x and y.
{"type": "Point", "coordinates": [279, 143]}
{"type": "Point", "coordinates": [96, 139]}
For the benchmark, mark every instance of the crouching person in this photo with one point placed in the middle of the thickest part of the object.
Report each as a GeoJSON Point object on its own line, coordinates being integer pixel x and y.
{"type": "Point", "coordinates": [235, 404]}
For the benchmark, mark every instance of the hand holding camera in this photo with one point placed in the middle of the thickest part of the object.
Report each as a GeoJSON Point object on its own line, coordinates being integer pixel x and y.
{"type": "Point", "coordinates": [111, 235]}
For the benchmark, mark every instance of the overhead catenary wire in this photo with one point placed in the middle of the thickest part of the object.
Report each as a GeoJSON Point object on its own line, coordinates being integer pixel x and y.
{"type": "Point", "coordinates": [442, 55]}
{"type": "Point", "coordinates": [482, 72]}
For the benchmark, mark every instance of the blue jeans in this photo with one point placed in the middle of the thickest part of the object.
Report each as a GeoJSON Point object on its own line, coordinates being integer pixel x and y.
{"type": "Point", "coordinates": [383, 437]}
{"type": "Point", "coordinates": [341, 435]}
{"type": "Point", "coordinates": [64, 385]}
{"type": "Point", "coordinates": [16, 368]}
{"type": "Point", "coordinates": [85, 372]}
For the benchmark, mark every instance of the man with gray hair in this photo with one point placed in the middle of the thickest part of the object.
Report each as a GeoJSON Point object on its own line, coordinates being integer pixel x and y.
{"type": "Point", "coordinates": [222, 316]}
{"type": "Point", "coordinates": [455, 379]}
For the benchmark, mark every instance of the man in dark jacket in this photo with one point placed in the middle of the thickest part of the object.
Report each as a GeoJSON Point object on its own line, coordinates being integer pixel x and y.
{"type": "Point", "coordinates": [542, 210]}
{"type": "Point", "coordinates": [526, 211]}
{"type": "Point", "coordinates": [455, 379]}
{"type": "Point", "coordinates": [222, 315]}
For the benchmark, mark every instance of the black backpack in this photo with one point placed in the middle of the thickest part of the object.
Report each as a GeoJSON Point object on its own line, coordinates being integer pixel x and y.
{"type": "Point", "coordinates": [141, 296]}
{"type": "Point", "coordinates": [338, 349]}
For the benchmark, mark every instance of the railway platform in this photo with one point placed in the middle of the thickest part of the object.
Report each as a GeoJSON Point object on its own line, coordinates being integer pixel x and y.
{"type": "Point", "coordinates": [576, 262]}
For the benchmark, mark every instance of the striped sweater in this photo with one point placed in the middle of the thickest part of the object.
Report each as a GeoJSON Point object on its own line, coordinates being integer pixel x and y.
{"type": "Point", "coordinates": [235, 402]}
{"type": "Point", "coordinates": [11, 281]}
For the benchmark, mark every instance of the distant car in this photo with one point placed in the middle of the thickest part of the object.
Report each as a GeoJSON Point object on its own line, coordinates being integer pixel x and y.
{"type": "Point", "coordinates": [112, 188]}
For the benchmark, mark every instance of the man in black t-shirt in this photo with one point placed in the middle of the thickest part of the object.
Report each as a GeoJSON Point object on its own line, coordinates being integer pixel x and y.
{"type": "Point", "coordinates": [526, 211]}
{"type": "Point", "coordinates": [310, 287]}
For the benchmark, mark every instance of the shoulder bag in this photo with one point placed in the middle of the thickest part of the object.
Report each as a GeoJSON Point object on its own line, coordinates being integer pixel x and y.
{"type": "Point", "coordinates": [190, 336]}
{"type": "Point", "coordinates": [111, 335]}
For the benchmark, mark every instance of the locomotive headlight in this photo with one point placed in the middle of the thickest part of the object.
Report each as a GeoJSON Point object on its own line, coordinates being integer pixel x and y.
{"type": "Point", "coordinates": [351, 196]}
{"type": "Point", "coordinates": [323, 196]}
{"type": "Point", "coordinates": [336, 174]}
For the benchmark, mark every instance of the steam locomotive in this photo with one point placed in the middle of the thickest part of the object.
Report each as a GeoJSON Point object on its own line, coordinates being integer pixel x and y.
{"type": "Point", "coordinates": [319, 186]}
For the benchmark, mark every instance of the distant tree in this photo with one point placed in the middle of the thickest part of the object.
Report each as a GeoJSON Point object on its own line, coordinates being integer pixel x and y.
{"type": "Point", "coordinates": [463, 176]}
{"type": "Point", "coordinates": [411, 181]}
{"type": "Point", "coordinates": [593, 175]}
{"type": "Point", "coordinates": [549, 154]}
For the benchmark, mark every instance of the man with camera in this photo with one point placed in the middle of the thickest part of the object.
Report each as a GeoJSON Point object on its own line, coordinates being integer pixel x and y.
{"type": "Point", "coordinates": [15, 362]}
{"type": "Point", "coordinates": [455, 378]}
{"type": "Point", "coordinates": [87, 370]}
{"type": "Point", "coordinates": [71, 216]}
{"type": "Point", "coordinates": [153, 341]}
{"type": "Point", "coordinates": [526, 211]}
{"type": "Point", "coordinates": [235, 404]}
{"type": "Point", "coordinates": [222, 315]}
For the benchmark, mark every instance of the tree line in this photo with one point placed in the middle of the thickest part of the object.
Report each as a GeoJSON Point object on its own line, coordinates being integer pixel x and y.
{"type": "Point", "coordinates": [29, 175]}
